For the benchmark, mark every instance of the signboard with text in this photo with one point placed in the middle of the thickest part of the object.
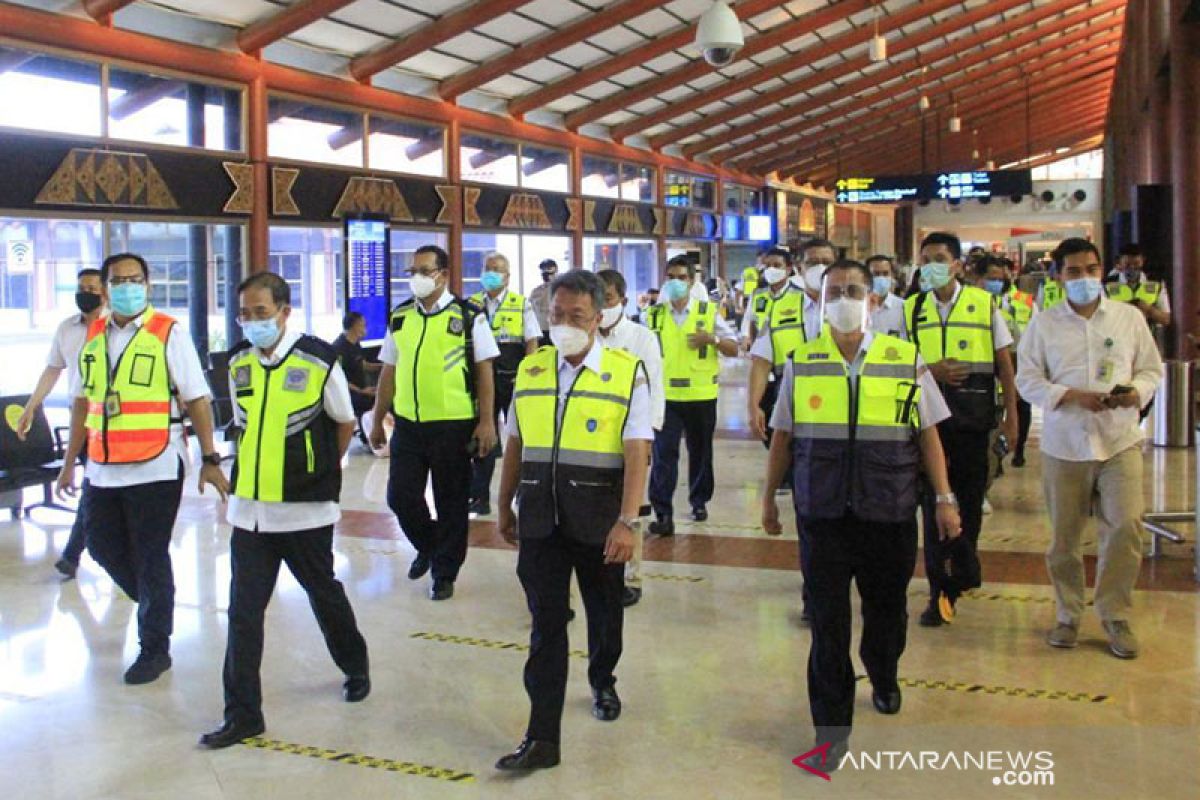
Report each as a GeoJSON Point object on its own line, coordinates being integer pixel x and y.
{"type": "Point", "coordinates": [977, 185]}
{"type": "Point", "coordinates": [368, 284]}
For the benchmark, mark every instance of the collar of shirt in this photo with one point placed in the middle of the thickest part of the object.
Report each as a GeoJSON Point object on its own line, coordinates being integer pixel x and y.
{"type": "Point", "coordinates": [615, 330]}
{"type": "Point", "coordinates": [591, 360]}
{"type": "Point", "coordinates": [494, 302]}
{"type": "Point", "coordinates": [286, 342]}
{"type": "Point", "coordinates": [1099, 312]}
{"type": "Point", "coordinates": [957, 291]}
{"type": "Point", "coordinates": [136, 322]}
{"type": "Point", "coordinates": [892, 301]}
{"type": "Point", "coordinates": [446, 299]}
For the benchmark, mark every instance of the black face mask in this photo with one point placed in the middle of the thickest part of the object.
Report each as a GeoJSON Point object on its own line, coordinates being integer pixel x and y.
{"type": "Point", "coordinates": [547, 277]}
{"type": "Point", "coordinates": [87, 302]}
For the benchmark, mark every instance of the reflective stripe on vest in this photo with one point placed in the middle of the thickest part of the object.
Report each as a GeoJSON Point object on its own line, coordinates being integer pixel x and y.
{"type": "Point", "coordinates": [688, 374]}
{"type": "Point", "coordinates": [1147, 291]}
{"type": "Point", "coordinates": [787, 328]}
{"type": "Point", "coordinates": [432, 364]}
{"type": "Point", "coordinates": [129, 403]}
{"type": "Point", "coordinates": [508, 323]}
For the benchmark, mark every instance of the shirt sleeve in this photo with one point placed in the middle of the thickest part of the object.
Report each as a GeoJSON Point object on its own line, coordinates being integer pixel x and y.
{"type": "Point", "coordinates": [764, 345]}
{"type": "Point", "coordinates": [638, 423]}
{"type": "Point", "coordinates": [56, 358]}
{"type": "Point", "coordinates": [387, 353]}
{"type": "Point", "coordinates": [484, 343]}
{"type": "Point", "coordinates": [337, 396]}
{"type": "Point", "coordinates": [183, 365]}
{"type": "Point", "coordinates": [511, 431]}
{"type": "Point", "coordinates": [1001, 336]}
{"type": "Point", "coordinates": [652, 360]}
{"type": "Point", "coordinates": [782, 417]}
{"type": "Point", "coordinates": [747, 317]}
{"type": "Point", "coordinates": [723, 330]}
{"type": "Point", "coordinates": [533, 329]}
{"type": "Point", "coordinates": [1033, 380]}
{"type": "Point", "coordinates": [932, 405]}
{"type": "Point", "coordinates": [1147, 367]}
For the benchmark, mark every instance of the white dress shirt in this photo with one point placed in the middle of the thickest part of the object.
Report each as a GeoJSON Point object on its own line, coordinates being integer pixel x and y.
{"type": "Point", "coordinates": [483, 342]}
{"type": "Point", "coordinates": [637, 423]}
{"type": "Point", "coordinates": [931, 406]}
{"type": "Point", "coordinates": [186, 376]}
{"type": "Point", "coordinates": [889, 317]}
{"type": "Point", "coordinates": [764, 345]}
{"type": "Point", "coordinates": [533, 328]}
{"type": "Point", "coordinates": [1061, 350]}
{"type": "Point", "coordinates": [639, 341]}
{"type": "Point", "coordinates": [69, 339]}
{"type": "Point", "coordinates": [281, 517]}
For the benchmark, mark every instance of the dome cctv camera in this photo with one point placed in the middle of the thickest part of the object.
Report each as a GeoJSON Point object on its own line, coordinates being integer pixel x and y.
{"type": "Point", "coordinates": [719, 34]}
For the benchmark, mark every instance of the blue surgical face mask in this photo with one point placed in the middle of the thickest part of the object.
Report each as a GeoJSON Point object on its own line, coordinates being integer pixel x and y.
{"type": "Point", "coordinates": [127, 299]}
{"type": "Point", "coordinates": [491, 281]}
{"type": "Point", "coordinates": [675, 289]}
{"type": "Point", "coordinates": [261, 333]}
{"type": "Point", "coordinates": [936, 274]}
{"type": "Point", "coordinates": [995, 287]}
{"type": "Point", "coordinates": [881, 285]}
{"type": "Point", "coordinates": [1084, 291]}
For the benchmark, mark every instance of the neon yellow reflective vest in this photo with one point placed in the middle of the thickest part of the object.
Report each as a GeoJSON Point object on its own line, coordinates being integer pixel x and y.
{"type": "Point", "coordinates": [1052, 294]}
{"type": "Point", "coordinates": [689, 375]}
{"type": "Point", "coordinates": [288, 449]}
{"type": "Point", "coordinates": [1020, 308]}
{"type": "Point", "coordinates": [785, 324]}
{"type": "Point", "coordinates": [760, 304]}
{"type": "Point", "coordinates": [965, 336]}
{"type": "Point", "coordinates": [749, 281]}
{"type": "Point", "coordinates": [508, 326]}
{"type": "Point", "coordinates": [1147, 291]}
{"type": "Point", "coordinates": [855, 447]}
{"type": "Point", "coordinates": [128, 403]}
{"type": "Point", "coordinates": [433, 362]}
{"type": "Point", "coordinates": [573, 449]}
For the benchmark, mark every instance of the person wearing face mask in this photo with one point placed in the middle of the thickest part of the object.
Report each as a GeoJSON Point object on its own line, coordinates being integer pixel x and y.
{"type": "Point", "coordinates": [857, 416]}
{"type": "Point", "coordinates": [577, 443]}
{"type": "Point", "coordinates": [1130, 286]}
{"type": "Point", "coordinates": [539, 298]}
{"type": "Point", "coordinates": [888, 316]}
{"type": "Point", "coordinates": [437, 380]}
{"type": "Point", "coordinates": [517, 332]}
{"type": "Point", "coordinates": [135, 366]}
{"type": "Point", "coordinates": [64, 355]}
{"type": "Point", "coordinates": [690, 334]}
{"type": "Point", "coordinates": [1090, 364]}
{"type": "Point", "coordinates": [994, 274]}
{"type": "Point", "coordinates": [967, 344]}
{"type": "Point", "coordinates": [292, 405]}
{"type": "Point", "coordinates": [619, 333]}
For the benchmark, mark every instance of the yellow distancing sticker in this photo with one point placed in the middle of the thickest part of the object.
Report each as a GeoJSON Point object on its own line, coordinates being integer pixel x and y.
{"type": "Point", "coordinates": [343, 757]}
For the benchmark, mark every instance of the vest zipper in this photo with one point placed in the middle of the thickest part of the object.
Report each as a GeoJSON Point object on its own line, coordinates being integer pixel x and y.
{"type": "Point", "coordinates": [558, 418]}
{"type": "Point", "coordinates": [262, 413]}
{"type": "Point", "coordinates": [853, 389]}
{"type": "Point", "coordinates": [416, 364]}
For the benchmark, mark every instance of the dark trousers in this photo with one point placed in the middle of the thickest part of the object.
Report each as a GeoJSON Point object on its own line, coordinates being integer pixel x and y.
{"type": "Point", "coordinates": [255, 559]}
{"type": "Point", "coordinates": [767, 404]}
{"type": "Point", "coordinates": [129, 535]}
{"type": "Point", "coordinates": [879, 558]}
{"type": "Point", "coordinates": [967, 465]}
{"type": "Point", "coordinates": [696, 422]}
{"type": "Point", "coordinates": [483, 468]}
{"type": "Point", "coordinates": [544, 567]}
{"type": "Point", "coordinates": [438, 448]}
{"type": "Point", "coordinates": [1024, 421]}
{"type": "Point", "coordinates": [78, 538]}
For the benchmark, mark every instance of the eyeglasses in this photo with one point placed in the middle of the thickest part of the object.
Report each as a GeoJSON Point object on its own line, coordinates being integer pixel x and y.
{"type": "Point", "coordinates": [428, 273]}
{"type": "Point", "coordinates": [117, 280]}
{"type": "Point", "coordinates": [855, 291]}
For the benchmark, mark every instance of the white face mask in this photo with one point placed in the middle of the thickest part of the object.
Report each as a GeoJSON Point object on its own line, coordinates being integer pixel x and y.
{"type": "Point", "coordinates": [813, 276]}
{"type": "Point", "coordinates": [773, 275]}
{"type": "Point", "coordinates": [422, 286]}
{"type": "Point", "coordinates": [846, 315]}
{"type": "Point", "coordinates": [611, 316]}
{"type": "Point", "coordinates": [569, 340]}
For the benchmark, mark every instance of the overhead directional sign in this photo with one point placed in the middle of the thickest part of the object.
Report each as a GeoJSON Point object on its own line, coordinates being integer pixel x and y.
{"type": "Point", "coordinates": [941, 186]}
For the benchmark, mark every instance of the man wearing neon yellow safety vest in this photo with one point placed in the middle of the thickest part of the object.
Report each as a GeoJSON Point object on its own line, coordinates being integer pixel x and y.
{"type": "Point", "coordinates": [517, 331]}
{"type": "Point", "coordinates": [964, 339]}
{"type": "Point", "coordinates": [292, 404]}
{"type": "Point", "coordinates": [437, 381]}
{"type": "Point", "coordinates": [856, 417]}
{"type": "Point", "coordinates": [576, 446]}
{"type": "Point", "coordinates": [1130, 286]}
{"type": "Point", "coordinates": [135, 367]}
{"type": "Point", "coordinates": [691, 334]}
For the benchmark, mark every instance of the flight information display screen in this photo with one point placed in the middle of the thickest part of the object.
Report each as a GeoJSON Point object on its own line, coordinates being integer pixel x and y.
{"type": "Point", "coordinates": [976, 185]}
{"type": "Point", "coordinates": [368, 283]}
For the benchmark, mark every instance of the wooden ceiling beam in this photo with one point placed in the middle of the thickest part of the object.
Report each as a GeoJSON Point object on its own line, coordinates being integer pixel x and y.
{"type": "Point", "coordinates": [284, 23]}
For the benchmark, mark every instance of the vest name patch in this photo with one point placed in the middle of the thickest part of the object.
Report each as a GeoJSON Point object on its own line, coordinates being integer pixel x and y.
{"type": "Point", "coordinates": [241, 377]}
{"type": "Point", "coordinates": [296, 380]}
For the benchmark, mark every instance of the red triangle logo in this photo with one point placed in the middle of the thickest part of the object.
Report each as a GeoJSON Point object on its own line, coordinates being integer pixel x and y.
{"type": "Point", "coordinates": [823, 750]}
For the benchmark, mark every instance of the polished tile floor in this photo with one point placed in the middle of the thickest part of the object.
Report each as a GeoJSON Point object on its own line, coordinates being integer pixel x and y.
{"type": "Point", "coordinates": [713, 676]}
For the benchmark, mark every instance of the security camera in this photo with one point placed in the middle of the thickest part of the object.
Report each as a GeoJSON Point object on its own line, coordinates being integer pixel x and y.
{"type": "Point", "coordinates": [719, 34]}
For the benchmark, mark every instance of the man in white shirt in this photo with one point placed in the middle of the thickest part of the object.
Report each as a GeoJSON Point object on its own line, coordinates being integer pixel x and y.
{"type": "Point", "coordinates": [292, 404]}
{"type": "Point", "coordinates": [1090, 364]}
{"type": "Point", "coordinates": [539, 298]}
{"type": "Point", "coordinates": [888, 316]}
{"type": "Point", "coordinates": [618, 332]}
{"type": "Point", "coordinates": [64, 354]}
{"type": "Point", "coordinates": [136, 453]}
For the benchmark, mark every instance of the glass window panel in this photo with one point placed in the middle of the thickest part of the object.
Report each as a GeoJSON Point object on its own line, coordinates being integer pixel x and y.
{"type": "Point", "coordinates": [639, 265]}
{"type": "Point", "coordinates": [545, 169]}
{"type": "Point", "coordinates": [679, 189]}
{"type": "Point", "coordinates": [402, 146]}
{"type": "Point", "coordinates": [404, 245]}
{"type": "Point", "coordinates": [488, 160]}
{"type": "Point", "coordinates": [734, 200]}
{"type": "Point", "coordinates": [147, 108]}
{"type": "Point", "coordinates": [600, 252]}
{"type": "Point", "coordinates": [47, 93]}
{"type": "Point", "coordinates": [637, 183]}
{"type": "Point", "coordinates": [601, 177]}
{"type": "Point", "coordinates": [307, 132]}
{"type": "Point", "coordinates": [535, 249]}
{"type": "Point", "coordinates": [704, 193]}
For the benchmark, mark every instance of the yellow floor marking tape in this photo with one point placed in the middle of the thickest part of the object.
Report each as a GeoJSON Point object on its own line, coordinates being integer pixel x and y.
{"type": "Point", "coordinates": [1007, 691]}
{"type": "Point", "coordinates": [488, 644]}
{"type": "Point", "coordinates": [342, 757]}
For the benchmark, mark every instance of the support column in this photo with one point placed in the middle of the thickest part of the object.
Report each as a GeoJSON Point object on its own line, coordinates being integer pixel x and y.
{"type": "Point", "coordinates": [1160, 130]}
{"type": "Point", "coordinates": [197, 246]}
{"type": "Point", "coordinates": [1185, 166]}
{"type": "Point", "coordinates": [234, 243]}
{"type": "Point", "coordinates": [260, 216]}
{"type": "Point", "coordinates": [455, 236]}
{"type": "Point", "coordinates": [577, 191]}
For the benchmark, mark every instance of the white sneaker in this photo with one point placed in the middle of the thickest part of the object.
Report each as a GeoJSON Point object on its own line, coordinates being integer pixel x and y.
{"type": "Point", "coordinates": [987, 507]}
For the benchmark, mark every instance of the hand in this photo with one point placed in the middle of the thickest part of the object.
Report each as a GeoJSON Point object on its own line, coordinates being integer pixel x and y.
{"type": "Point", "coordinates": [1009, 429]}
{"type": "Point", "coordinates": [1124, 400]}
{"type": "Point", "coordinates": [618, 548]}
{"type": "Point", "coordinates": [215, 477]}
{"type": "Point", "coordinates": [506, 523]}
{"type": "Point", "coordinates": [485, 433]}
{"type": "Point", "coordinates": [758, 422]}
{"type": "Point", "coordinates": [1088, 401]}
{"type": "Point", "coordinates": [369, 391]}
{"type": "Point", "coordinates": [746, 344]}
{"type": "Point", "coordinates": [770, 515]}
{"type": "Point", "coordinates": [700, 339]}
{"type": "Point", "coordinates": [25, 422]}
{"type": "Point", "coordinates": [948, 522]}
{"type": "Point", "coordinates": [377, 439]}
{"type": "Point", "coordinates": [64, 487]}
{"type": "Point", "coordinates": [950, 371]}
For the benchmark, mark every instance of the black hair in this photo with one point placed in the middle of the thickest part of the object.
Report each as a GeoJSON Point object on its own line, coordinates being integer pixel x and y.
{"type": "Point", "coordinates": [281, 293]}
{"type": "Point", "coordinates": [548, 264]}
{"type": "Point", "coordinates": [952, 242]}
{"type": "Point", "coordinates": [1131, 249]}
{"type": "Point", "coordinates": [578, 281]}
{"type": "Point", "coordinates": [812, 244]}
{"type": "Point", "coordinates": [652, 290]}
{"type": "Point", "coordinates": [351, 319]}
{"type": "Point", "coordinates": [615, 279]}
{"type": "Point", "coordinates": [682, 260]}
{"type": "Point", "coordinates": [106, 267]}
{"type": "Point", "coordinates": [881, 257]}
{"type": "Point", "coordinates": [983, 263]}
{"type": "Point", "coordinates": [1070, 247]}
{"type": "Point", "coordinates": [442, 257]}
{"type": "Point", "coordinates": [89, 272]}
{"type": "Point", "coordinates": [850, 265]}
{"type": "Point", "coordinates": [782, 252]}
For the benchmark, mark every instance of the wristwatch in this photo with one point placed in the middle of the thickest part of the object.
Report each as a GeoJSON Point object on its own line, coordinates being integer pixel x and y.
{"type": "Point", "coordinates": [946, 500]}
{"type": "Point", "coordinates": [633, 523]}
{"type": "Point", "coordinates": [212, 459]}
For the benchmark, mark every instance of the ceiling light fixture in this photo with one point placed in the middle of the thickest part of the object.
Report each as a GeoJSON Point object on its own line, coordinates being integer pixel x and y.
{"type": "Point", "coordinates": [878, 43]}
{"type": "Point", "coordinates": [955, 119]}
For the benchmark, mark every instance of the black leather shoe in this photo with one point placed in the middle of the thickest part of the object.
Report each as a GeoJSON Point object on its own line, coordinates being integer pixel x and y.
{"type": "Point", "coordinates": [356, 688]}
{"type": "Point", "coordinates": [631, 596]}
{"type": "Point", "coordinates": [886, 702]}
{"type": "Point", "coordinates": [530, 754]}
{"type": "Point", "coordinates": [831, 759]}
{"type": "Point", "coordinates": [230, 733]}
{"type": "Point", "coordinates": [699, 513]}
{"type": "Point", "coordinates": [1018, 460]}
{"type": "Point", "coordinates": [67, 568]}
{"type": "Point", "coordinates": [480, 507]}
{"type": "Point", "coordinates": [931, 617]}
{"type": "Point", "coordinates": [146, 668]}
{"type": "Point", "coordinates": [606, 706]}
{"type": "Point", "coordinates": [663, 526]}
{"type": "Point", "coordinates": [418, 568]}
{"type": "Point", "coordinates": [442, 590]}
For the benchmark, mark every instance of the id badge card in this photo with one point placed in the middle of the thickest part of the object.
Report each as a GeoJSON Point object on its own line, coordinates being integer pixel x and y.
{"type": "Point", "coordinates": [112, 405]}
{"type": "Point", "coordinates": [1105, 371]}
